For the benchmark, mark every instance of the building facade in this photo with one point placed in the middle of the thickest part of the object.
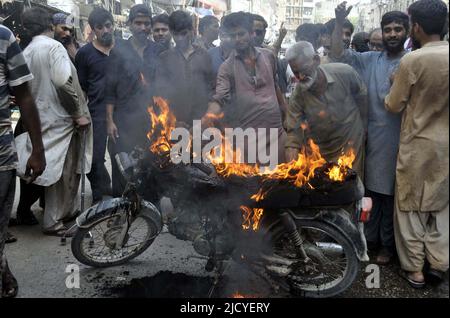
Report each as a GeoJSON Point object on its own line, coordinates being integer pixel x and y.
{"type": "Point", "coordinates": [370, 12]}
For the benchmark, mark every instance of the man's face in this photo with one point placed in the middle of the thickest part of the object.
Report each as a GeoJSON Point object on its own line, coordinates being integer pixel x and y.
{"type": "Point", "coordinates": [346, 37]}
{"type": "Point", "coordinates": [161, 33]}
{"type": "Point", "coordinates": [394, 37]}
{"type": "Point", "coordinates": [183, 38]}
{"type": "Point", "coordinates": [325, 42]}
{"type": "Point", "coordinates": [259, 33]}
{"type": "Point", "coordinates": [225, 40]}
{"type": "Point", "coordinates": [212, 31]}
{"type": "Point", "coordinates": [305, 70]}
{"type": "Point", "coordinates": [141, 28]}
{"type": "Point", "coordinates": [63, 33]}
{"type": "Point", "coordinates": [240, 38]}
{"type": "Point", "coordinates": [104, 33]}
{"type": "Point", "coordinates": [415, 38]}
{"type": "Point", "coordinates": [376, 42]}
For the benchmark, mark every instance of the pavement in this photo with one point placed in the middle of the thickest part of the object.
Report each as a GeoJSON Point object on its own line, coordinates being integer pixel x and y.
{"type": "Point", "coordinates": [43, 269]}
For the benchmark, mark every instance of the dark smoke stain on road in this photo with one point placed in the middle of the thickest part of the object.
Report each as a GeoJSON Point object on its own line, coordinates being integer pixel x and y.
{"type": "Point", "coordinates": [165, 285]}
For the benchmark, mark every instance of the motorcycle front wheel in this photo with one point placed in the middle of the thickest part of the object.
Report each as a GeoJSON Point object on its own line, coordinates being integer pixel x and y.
{"type": "Point", "coordinates": [333, 265]}
{"type": "Point", "coordinates": [99, 246]}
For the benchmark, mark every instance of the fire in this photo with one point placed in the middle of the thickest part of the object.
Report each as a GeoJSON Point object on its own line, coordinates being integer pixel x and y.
{"type": "Point", "coordinates": [237, 295]}
{"type": "Point", "coordinates": [161, 128]}
{"type": "Point", "coordinates": [251, 217]}
{"type": "Point", "coordinates": [345, 162]}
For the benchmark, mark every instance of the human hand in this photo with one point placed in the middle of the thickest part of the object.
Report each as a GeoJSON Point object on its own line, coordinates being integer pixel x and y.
{"type": "Point", "coordinates": [342, 12]}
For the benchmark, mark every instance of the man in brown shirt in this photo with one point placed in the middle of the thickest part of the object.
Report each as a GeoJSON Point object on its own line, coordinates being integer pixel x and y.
{"type": "Point", "coordinates": [420, 89]}
{"type": "Point", "coordinates": [328, 106]}
{"type": "Point", "coordinates": [247, 84]}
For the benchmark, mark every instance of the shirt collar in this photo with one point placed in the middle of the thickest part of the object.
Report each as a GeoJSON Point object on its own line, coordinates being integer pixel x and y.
{"type": "Point", "coordinates": [328, 76]}
{"type": "Point", "coordinates": [257, 53]}
{"type": "Point", "coordinates": [436, 43]}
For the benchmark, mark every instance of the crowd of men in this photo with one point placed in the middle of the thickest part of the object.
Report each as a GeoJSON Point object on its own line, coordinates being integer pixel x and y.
{"type": "Point", "coordinates": [383, 94]}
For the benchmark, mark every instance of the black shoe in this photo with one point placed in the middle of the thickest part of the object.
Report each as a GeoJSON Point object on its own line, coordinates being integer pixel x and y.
{"type": "Point", "coordinates": [28, 219]}
{"type": "Point", "coordinates": [434, 276]}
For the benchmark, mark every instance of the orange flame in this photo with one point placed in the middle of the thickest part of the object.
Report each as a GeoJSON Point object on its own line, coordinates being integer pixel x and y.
{"type": "Point", "coordinates": [161, 128]}
{"type": "Point", "coordinates": [251, 217]}
{"type": "Point", "coordinates": [345, 162]}
{"type": "Point", "coordinates": [237, 295]}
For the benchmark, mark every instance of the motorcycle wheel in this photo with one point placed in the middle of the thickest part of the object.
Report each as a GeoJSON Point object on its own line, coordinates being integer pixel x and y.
{"type": "Point", "coordinates": [322, 243]}
{"type": "Point", "coordinates": [95, 246]}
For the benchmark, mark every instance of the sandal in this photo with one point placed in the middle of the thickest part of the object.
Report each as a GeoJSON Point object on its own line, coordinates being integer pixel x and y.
{"type": "Point", "coordinates": [10, 288]}
{"type": "Point", "coordinates": [413, 283]}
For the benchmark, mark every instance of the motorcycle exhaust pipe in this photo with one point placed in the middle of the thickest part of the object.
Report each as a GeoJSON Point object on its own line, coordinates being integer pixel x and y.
{"type": "Point", "coordinates": [330, 247]}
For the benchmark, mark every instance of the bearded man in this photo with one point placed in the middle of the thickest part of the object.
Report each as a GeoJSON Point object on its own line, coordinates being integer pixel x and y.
{"type": "Point", "coordinates": [383, 131]}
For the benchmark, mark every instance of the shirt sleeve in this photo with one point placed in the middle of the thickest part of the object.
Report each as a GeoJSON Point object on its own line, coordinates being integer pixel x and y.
{"type": "Point", "coordinates": [400, 93]}
{"type": "Point", "coordinates": [359, 61]}
{"type": "Point", "coordinates": [18, 71]}
{"type": "Point", "coordinates": [60, 69]}
{"type": "Point", "coordinates": [295, 122]}
{"type": "Point", "coordinates": [223, 85]}
{"type": "Point", "coordinates": [82, 70]}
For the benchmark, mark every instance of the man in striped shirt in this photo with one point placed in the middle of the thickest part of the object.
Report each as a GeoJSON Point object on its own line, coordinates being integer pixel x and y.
{"type": "Point", "coordinates": [14, 75]}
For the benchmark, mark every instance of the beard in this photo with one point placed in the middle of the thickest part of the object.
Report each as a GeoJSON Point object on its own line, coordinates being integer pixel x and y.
{"type": "Point", "coordinates": [308, 82]}
{"type": "Point", "coordinates": [396, 48]}
{"type": "Point", "coordinates": [106, 40]}
{"type": "Point", "coordinates": [142, 37]}
{"type": "Point", "coordinates": [415, 43]}
{"type": "Point", "coordinates": [65, 40]}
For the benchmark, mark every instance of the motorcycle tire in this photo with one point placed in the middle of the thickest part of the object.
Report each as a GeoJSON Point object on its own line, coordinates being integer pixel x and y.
{"type": "Point", "coordinates": [81, 233]}
{"type": "Point", "coordinates": [351, 270]}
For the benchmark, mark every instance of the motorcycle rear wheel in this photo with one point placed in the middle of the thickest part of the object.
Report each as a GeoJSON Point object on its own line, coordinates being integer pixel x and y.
{"type": "Point", "coordinates": [88, 240]}
{"type": "Point", "coordinates": [309, 287]}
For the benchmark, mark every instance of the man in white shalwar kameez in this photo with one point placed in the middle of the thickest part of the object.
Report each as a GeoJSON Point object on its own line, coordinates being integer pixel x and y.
{"type": "Point", "coordinates": [64, 116]}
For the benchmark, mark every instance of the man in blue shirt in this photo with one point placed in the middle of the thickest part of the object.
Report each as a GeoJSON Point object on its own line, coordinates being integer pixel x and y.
{"type": "Point", "coordinates": [383, 131]}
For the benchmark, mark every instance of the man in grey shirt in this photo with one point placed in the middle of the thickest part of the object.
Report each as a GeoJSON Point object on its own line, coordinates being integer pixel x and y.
{"type": "Point", "coordinates": [383, 130]}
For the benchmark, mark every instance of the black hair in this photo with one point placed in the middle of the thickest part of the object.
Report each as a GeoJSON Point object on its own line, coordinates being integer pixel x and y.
{"type": "Point", "coordinates": [238, 19]}
{"type": "Point", "coordinates": [431, 15]}
{"type": "Point", "coordinates": [397, 17]}
{"type": "Point", "coordinates": [161, 18]}
{"type": "Point", "coordinates": [99, 16]}
{"type": "Point", "coordinates": [36, 21]}
{"type": "Point", "coordinates": [257, 17]}
{"type": "Point", "coordinates": [361, 40]}
{"type": "Point", "coordinates": [206, 22]}
{"type": "Point", "coordinates": [374, 31]}
{"type": "Point", "coordinates": [180, 20]}
{"type": "Point", "coordinates": [139, 10]}
{"type": "Point", "coordinates": [330, 26]}
{"type": "Point", "coordinates": [308, 32]}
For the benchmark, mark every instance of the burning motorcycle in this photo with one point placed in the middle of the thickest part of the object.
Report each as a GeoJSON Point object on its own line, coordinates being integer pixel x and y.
{"type": "Point", "coordinates": [297, 227]}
